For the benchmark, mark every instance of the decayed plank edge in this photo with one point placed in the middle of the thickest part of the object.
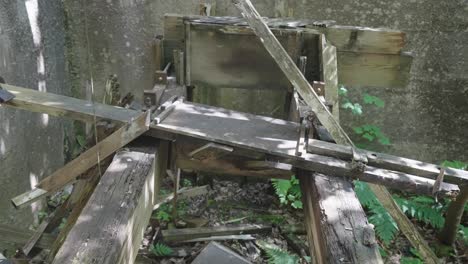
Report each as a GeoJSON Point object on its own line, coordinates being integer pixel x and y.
{"type": "Point", "coordinates": [192, 233]}
{"type": "Point", "coordinates": [336, 237]}
{"type": "Point", "coordinates": [290, 69]}
{"type": "Point", "coordinates": [308, 161]}
{"type": "Point", "coordinates": [86, 160]}
{"type": "Point", "coordinates": [20, 236]}
{"type": "Point", "coordinates": [389, 162]}
{"type": "Point", "coordinates": [64, 106]}
{"type": "Point", "coordinates": [345, 38]}
{"type": "Point", "coordinates": [124, 212]}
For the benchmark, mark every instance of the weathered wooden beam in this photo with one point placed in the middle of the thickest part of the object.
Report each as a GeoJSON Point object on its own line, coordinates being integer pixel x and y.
{"type": "Point", "coordinates": [337, 227]}
{"type": "Point", "coordinates": [111, 226]}
{"type": "Point", "coordinates": [20, 236]}
{"type": "Point", "coordinates": [388, 162]}
{"type": "Point", "coordinates": [172, 235]}
{"type": "Point", "coordinates": [85, 161]}
{"type": "Point", "coordinates": [277, 138]}
{"type": "Point", "coordinates": [290, 69]}
{"type": "Point", "coordinates": [210, 151]}
{"type": "Point", "coordinates": [374, 70]}
{"type": "Point", "coordinates": [28, 246]}
{"type": "Point", "coordinates": [64, 106]}
{"type": "Point", "coordinates": [364, 39]}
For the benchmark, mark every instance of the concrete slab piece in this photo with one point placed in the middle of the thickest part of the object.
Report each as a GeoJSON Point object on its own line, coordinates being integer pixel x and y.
{"type": "Point", "coordinates": [219, 254]}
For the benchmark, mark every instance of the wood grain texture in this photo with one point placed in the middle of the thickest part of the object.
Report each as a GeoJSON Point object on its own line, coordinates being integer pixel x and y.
{"type": "Point", "coordinates": [365, 40]}
{"type": "Point", "coordinates": [289, 68]}
{"type": "Point", "coordinates": [193, 233]}
{"type": "Point", "coordinates": [375, 70]}
{"type": "Point", "coordinates": [64, 106]}
{"type": "Point", "coordinates": [111, 226]}
{"type": "Point", "coordinates": [85, 161]}
{"type": "Point", "coordinates": [338, 227]}
{"type": "Point", "coordinates": [389, 162]}
{"type": "Point", "coordinates": [20, 236]}
{"type": "Point", "coordinates": [278, 138]}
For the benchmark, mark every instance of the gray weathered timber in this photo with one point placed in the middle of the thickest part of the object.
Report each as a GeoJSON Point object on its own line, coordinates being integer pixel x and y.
{"type": "Point", "coordinates": [325, 117]}
{"type": "Point", "coordinates": [339, 228]}
{"type": "Point", "coordinates": [364, 39]}
{"type": "Point", "coordinates": [290, 69]}
{"type": "Point", "coordinates": [192, 233]}
{"type": "Point", "coordinates": [111, 226]}
{"type": "Point", "coordinates": [85, 161]}
{"type": "Point", "coordinates": [20, 236]}
{"type": "Point", "coordinates": [389, 162]}
{"type": "Point", "coordinates": [376, 70]}
{"type": "Point", "coordinates": [59, 105]}
{"type": "Point", "coordinates": [279, 138]}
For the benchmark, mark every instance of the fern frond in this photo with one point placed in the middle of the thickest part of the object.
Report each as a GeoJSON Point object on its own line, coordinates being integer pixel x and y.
{"type": "Point", "coordinates": [276, 255]}
{"type": "Point", "coordinates": [385, 227]}
{"type": "Point", "coordinates": [424, 209]}
{"type": "Point", "coordinates": [160, 250]}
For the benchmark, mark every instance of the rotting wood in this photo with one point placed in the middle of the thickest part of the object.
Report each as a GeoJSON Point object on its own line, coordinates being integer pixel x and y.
{"type": "Point", "coordinates": [336, 237]}
{"type": "Point", "coordinates": [389, 162]}
{"type": "Point", "coordinates": [85, 161]}
{"type": "Point", "coordinates": [20, 236]}
{"type": "Point", "coordinates": [63, 106]}
{"type": "Point", "coordinates": [278, 138]}
{"type": "Point", "coordinates": [113, 233]}
{"type": "Point", "coordinates": [80, 203]}
{"type": "Point", "coordinates": [289, 68]}
{"type": "Point", "coordinates": [312, 100]}
{"type": "Point", "coordinates": [172, 235]}
{"type": "Point", "coordinates": [37, 235]}
{"type": "Point", "coordinates": [210, 151]}
{"type": "Point", "coordinates": [363, 39]}
{"type": "Point", "coordinates": [219, 238]}
{"type": "Point", "coordinates": [183, 193]}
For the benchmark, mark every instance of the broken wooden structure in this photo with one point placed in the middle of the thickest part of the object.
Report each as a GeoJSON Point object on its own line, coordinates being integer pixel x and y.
{"type": "Point", "coordinates": [298, 61]}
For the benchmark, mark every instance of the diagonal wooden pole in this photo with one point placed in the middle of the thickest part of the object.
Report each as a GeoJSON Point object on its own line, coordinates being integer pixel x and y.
{"type": "Point", "coordinates": [85, 161]}
{"type": "Point", "coordinates": [303, 87]}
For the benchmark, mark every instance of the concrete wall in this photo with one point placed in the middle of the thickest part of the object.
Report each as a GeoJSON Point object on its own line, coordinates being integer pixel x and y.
{"type": "Point", "coordinates": [91, 39]}
{"type": "Point", "coordinates": [31, 55]}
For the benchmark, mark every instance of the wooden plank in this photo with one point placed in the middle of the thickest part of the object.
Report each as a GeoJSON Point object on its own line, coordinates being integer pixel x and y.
{"type": "Point", "coordinates": [338, 229]}
{"type": "Point", "coordinates": [63, 106]}
{"type": "Point", "coordinates": [310, 97]}
{"type": "Point", "coordinates": [389, 162]}
{"type": "Point", "coordinates": [113, 233]}
{"type": "Point", "coordinates": [232, 164]}
{"type": "Point", "coordinates": [290, 69]}
{"type": "Point", "coordinates": [330, 76]}
{"type": "Point", "coordinates": [210, 151]}
{"type": "Point", "coordinates": [20, 236]}
{"type": "Point", "coordinates": [28, 246]}
{"type": "Point", "coordinates": [172, 235]}
{"type": "Point", "coordinates": [85, 161]}
{"type": "Point", "coordinates": [226, 56]}
{"type": "Point", "coordinates": [364, 39]}
{"type": "Point", "coordinates": [279, 138]}
{"type": "Point", "coordinates": [375, 70]}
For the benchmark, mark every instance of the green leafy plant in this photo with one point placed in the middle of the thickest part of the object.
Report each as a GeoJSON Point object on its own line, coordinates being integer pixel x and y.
{"type": "Point", "coordinates": [415, 259]}
{"type": "Point", "coordinates": [422, 208]}
{"type": "Point", "coordinates": [161, 250]}
{"type": "Point", "coordinates": [288, 191]}
{"type": "Point", "coordinates": [369, 132]}
{"type": "Point", "coordinates": [276, 255]}
{"type": "Point", "coordinates": [384, 225]}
